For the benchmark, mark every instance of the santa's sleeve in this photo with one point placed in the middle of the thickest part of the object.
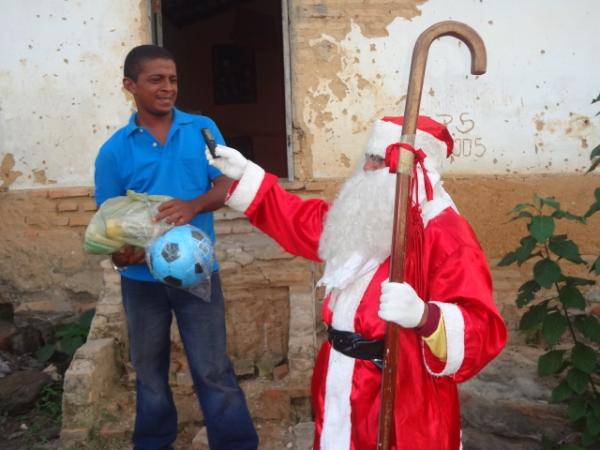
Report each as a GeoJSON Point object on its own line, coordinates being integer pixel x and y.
{"type": "Point", "coordinates": [295, 223]}
{"type": "Point", "coordinates": [461, 286]}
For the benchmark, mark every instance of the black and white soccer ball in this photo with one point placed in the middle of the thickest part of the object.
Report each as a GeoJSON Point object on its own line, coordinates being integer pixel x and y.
{"type": "Point", "coordinates": [182, 257]}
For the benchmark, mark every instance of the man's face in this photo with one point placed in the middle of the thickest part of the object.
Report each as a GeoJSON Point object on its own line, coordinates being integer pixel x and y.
{"type": "Point", "coordinates": [373, 162]}
{"type": "Point", "coordinates": [155, 89]}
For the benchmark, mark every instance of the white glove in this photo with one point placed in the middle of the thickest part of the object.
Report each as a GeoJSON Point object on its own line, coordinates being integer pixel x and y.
{"type": "Point", "coordinates": [229, 161]}
{"type": "Point", "coordinates": [399, 303]}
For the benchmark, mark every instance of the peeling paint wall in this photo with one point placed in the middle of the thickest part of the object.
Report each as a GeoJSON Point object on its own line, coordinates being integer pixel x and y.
{"type": "Point", "coordinates": [60, 86]}
{"type": "Point", "coordinates": [530, 113]}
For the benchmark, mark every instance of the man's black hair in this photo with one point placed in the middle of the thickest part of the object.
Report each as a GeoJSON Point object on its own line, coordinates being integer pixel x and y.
{"type": "Point", "coordinates": [137, 55]}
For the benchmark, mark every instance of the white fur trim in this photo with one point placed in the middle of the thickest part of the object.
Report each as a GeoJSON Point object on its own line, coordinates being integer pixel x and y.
{"type": "Point", "coordinates": [454, 326]}
{"type": "Point", "coordinates": [441, 201]}
{"type": "Point", "coordinates": [336, 420]}
{"type": "Point", "coordinates": [241, 198]}
{"type": "Point", "coordinates": [338, 386]}
{"type": "Point", "coordinates": [382, 134]}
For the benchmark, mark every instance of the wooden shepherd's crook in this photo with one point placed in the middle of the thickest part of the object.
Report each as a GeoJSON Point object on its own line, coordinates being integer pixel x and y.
{"type": "Point", "coordinates": [403, 179]}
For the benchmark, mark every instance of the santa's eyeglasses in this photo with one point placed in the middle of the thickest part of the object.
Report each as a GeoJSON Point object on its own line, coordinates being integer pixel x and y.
{"type": "Point", "coordinates": [376, 159]}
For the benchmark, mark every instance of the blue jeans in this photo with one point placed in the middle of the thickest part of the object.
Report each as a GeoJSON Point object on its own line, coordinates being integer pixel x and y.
{"type": "Point", "coordinates": [149, 307]}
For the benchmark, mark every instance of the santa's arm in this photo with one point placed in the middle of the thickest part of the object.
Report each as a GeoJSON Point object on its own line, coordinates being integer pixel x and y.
{"type": "Point", "coordinates": [475, 332]}
{"type": "Point", "coordinates": [296, 224]}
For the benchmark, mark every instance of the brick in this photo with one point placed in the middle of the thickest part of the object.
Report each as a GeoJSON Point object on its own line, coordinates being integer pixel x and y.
{"type": "Point", "coordinates": [61, 221]}
{"type": "Point", "coordinates": [89, 204]}
{"type": "Point", "coordinates": [83, 191]}
{"type": "Point", "coordinates": [43, 193]}
{"type": "Point", "coordinates": [80, 220]}
{"type": "Point", "coordinates": [38, 219]}
{"type": "Point", "coordinates": [292, 185]}
{"type": "Point", "coordinates": [67, 205]}
{"type": "Point", "coordinates": [316, 186]}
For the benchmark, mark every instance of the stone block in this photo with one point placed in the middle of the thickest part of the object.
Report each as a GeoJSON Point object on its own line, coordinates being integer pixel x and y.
{"type": "Point", "coordinates": [70, 437]}
{"type": "Point", "coordinates": [280, 372]}
{"type": "Point", "coordinates": [304, 434]}
{"type": "Point", "coordinates": [272, 404]}
{"type": "Point", "coordinates": [243, 367]}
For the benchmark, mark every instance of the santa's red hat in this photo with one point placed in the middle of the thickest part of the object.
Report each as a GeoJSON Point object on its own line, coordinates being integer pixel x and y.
{"type": "Point", "coordinates": [434, 138]}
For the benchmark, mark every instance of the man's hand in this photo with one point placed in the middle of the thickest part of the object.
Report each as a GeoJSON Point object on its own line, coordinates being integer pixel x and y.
{"type": "Point", "coordinates": [178, 212]}
{"type": "Point", "coordinates": [128, 255]}
{"type": "Point", "coordinates": [229, 161]}
{"type": "Point", "coordinates": [399, 303]}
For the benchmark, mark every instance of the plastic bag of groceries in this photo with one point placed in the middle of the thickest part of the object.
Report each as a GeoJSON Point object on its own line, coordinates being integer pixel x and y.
{"type": "Point", "coordinates": [183, 257]}
{"type": "Point", "coordinates": [122, 220]}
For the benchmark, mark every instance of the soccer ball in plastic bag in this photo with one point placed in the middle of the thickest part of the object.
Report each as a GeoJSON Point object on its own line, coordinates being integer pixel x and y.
{"type": "Point", "coordinates": [182, 257]}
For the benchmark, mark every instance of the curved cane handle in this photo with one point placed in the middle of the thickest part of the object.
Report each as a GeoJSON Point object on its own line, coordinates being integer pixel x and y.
{"type": "Point", "coordinates": [419, 61]}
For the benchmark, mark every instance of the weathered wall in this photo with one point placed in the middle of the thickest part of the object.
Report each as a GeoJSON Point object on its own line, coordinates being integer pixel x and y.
{"type": "Point", "coordinates": [60, 85]}
{"type": "Point", "coordinates": [530, 113]}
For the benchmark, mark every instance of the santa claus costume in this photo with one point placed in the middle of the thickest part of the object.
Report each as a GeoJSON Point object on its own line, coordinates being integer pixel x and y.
{"type": "Point", "coordinates": [444, 264]}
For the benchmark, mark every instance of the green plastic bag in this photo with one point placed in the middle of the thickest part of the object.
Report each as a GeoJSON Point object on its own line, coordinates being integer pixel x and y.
{"type": "Point", "coordinates": [125, 220]}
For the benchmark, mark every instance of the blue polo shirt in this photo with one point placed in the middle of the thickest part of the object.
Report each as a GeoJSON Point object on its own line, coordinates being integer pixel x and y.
{"type": "Point", "coordinates": [134, 159]}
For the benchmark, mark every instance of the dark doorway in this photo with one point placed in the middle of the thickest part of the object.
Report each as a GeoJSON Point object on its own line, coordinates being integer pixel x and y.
{"type": "Point", "coordinates": [230, 61]}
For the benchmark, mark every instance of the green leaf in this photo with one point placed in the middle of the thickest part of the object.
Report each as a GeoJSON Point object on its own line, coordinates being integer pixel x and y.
{"type": "Point", "coordinates": [589, 327]}
{"type": "Point", "coordinates": [592, 425]}
{"type": "Point", "coordinates": [597, 99]}
{"type": "Point", "coordinates": [541, 227]}
{"type": "Point", "coordinates": [577, 409]}
{"type": "Point", "coordinates": [594, 208]}
{"type": "Point", "coordinates": [546, 272]}
{"type": "Point", "coordinates": [562, 392]}
{"type": "Point", "coordinates": [85, 320]}
{"type": "Point", "coordinates": [560, 214]}
{"type": "Point", "coordinates": [527, 245]}
{"type": "Point", "coordinates": [521, 215]}
{"type": "Point", "coordinates": [45, 353]}
{"type": "Point", "coordinates": [550, 362]}
{"type": "Point", "coordinates": [534, 316]}
{"type": "Point", "coordinates": [587, 439]}
{"type": "Point", "coordinates": [583, 358]}
{"type": "Point", "coordinates": [527, 292]}
{"type": "Point", "coordinates": [595, 153]}
{"type": "Point", "coordinates": [576, 281]}
{"type": "Point", "coordinates": [595, 403]}
{"type": "Point", "coordinates": [571, 297]}
{"type": "Point", "coordinates": [554, 326]}
{"type": "Point", "coordinates": [595, 162]}
{"type": "Point", "coordinates": [596, 266]}
{"type": "Point", "coordinates": [549, 201]}
{"type": "Point", "coordinates": [566, 249]}
{"type": "Point", "coordinates": [69, 345]}
{"type": "Point", "coordinates": [508, 259]}
{"type": "Point", "coordinates": [520, 206]}
{"type": "Point", "coordinates": [577, 380]}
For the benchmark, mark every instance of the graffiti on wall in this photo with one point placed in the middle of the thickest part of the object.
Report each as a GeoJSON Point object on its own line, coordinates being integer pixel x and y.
{"type": "Point", "coordinates": [467, 144]}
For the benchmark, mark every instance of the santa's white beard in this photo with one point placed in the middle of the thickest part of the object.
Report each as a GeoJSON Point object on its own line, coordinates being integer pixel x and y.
{"type": "Point", "coordinates": [358, 226]}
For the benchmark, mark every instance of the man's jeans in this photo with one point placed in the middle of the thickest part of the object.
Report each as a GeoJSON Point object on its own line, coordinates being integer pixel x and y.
{"type": "Point", "coordinates": [148, 307]}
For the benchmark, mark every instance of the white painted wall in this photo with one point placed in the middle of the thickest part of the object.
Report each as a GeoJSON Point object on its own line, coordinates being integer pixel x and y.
{"type": "Point", "coordinates": [529, 113]}
{"type": "Point", "coordinates": [61, 96]}
{"type": "Point", "coordinates": [60, 83]}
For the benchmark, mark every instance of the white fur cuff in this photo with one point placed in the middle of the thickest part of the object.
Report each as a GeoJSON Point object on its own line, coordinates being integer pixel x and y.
{"type": "Point", "coordinates": [454, 325]}
{"type": "Point", "coordinates": [241, 198]}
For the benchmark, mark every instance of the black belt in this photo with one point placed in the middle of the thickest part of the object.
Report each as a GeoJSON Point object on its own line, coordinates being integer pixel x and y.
{"type": "Point", "coordinates": [355, 346]}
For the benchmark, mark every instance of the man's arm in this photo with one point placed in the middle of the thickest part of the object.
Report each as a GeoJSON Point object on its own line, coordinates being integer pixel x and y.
{"type": "Point", "coordinates": [180, 212]}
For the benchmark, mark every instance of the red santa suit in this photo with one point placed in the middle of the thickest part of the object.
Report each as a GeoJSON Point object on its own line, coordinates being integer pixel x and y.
{"type": "Point", "coordinates": [447, 268]}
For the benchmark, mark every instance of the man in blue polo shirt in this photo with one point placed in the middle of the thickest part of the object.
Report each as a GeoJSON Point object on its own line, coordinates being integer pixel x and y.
{"type": "Point", "coordinates": [161, 151]}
